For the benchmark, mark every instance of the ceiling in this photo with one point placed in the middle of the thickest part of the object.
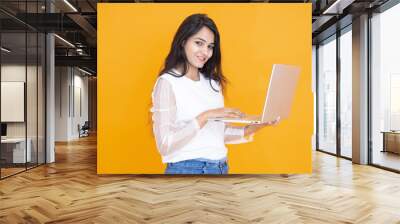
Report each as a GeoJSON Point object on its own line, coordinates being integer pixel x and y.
{"type": "Point", "coordinates": [76, 22]}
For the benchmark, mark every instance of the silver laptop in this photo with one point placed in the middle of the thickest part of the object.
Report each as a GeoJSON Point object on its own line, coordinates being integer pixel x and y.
{"type": "Point", "coordinates": [278, 101]}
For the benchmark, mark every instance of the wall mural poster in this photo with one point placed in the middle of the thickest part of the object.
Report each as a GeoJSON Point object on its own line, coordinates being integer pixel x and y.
{"type": "Point", "coordinates": [176, 83]}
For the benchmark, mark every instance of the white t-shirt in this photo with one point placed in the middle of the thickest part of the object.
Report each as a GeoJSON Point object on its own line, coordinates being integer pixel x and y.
{"type": "Point", "coordinates": [177, 101]}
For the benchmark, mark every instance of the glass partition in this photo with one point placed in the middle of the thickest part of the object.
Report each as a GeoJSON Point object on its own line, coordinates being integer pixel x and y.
{"type": "Point", "coordinates": [41, 86]}
{"type": "Point", "coordinates": [14, 153]}
{"type": "Point", "coordinates": [32, 95]}
{"type": "Point", "coordinates": [327, 95]}
{"type": "Point", "coordinates": [22, 88]}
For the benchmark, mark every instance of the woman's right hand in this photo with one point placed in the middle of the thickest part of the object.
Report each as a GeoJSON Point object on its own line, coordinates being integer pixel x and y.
{"type": "Point", "coordinates": [219, 112]}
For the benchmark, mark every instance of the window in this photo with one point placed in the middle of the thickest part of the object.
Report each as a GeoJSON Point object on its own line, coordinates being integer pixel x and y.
{"type": "Point", "coordinates": [346, 93]}
{"type": "Point", "coordinates": [327, 95]}
{"type": "Point", "coordinates": [385, 88]}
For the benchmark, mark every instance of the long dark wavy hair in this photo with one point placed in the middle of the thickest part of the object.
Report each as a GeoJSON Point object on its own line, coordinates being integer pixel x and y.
{"type": "Point", "coordinates": [176, 57]}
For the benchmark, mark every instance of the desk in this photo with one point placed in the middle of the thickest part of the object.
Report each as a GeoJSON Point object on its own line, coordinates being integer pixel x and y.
{"type": "Point", "coordinates": [391, 141]}
{"type": "Point", "coordinates": [15, 148]}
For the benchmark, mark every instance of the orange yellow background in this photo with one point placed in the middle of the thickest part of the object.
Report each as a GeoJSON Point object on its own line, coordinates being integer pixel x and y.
{"type": "Point", "coordinates": [133, 41]}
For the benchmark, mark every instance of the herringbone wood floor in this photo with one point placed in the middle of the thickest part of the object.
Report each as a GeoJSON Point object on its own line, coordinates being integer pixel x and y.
{"type": "Point", "coordinates": [70, 191]}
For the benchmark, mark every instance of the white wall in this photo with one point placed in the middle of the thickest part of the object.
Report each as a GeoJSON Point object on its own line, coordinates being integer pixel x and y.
{"type": "Point", "coordinates": [71, 102]}
{"type": "Point", "coordinates": [80, 84]}
{"type": "Point", "coordinates": [62, 78]}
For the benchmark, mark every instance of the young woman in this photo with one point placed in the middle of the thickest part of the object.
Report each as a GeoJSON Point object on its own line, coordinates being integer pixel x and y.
{"type": "Point", "coordinates": [188, 92]}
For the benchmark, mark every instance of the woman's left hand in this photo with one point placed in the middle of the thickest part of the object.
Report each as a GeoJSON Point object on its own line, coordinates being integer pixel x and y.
{"type": "Point", "coordinates": [252, 128]}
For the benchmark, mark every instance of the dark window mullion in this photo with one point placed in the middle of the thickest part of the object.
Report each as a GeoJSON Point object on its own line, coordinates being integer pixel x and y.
{"type": "Point", "coordinates": [37, 91]}
{"type": "Point", "coordinates": [338, 78]}
{"type": "Point", "coordinates": [26, 87]}
{"type": "Point", "coordinates": [44, 78]}
{"type": "Point", "coordinates": [316, 97]}
{"type": "Point", "coordinates": [369, 90]}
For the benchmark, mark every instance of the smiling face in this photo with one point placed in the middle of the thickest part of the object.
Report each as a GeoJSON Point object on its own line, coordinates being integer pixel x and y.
{"type": "Point", "coordinates": [196, 49]}
{"type": "Point", "coordinates": [199, 48]}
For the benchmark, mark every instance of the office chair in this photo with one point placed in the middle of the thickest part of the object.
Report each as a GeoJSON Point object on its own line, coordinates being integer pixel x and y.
{"type": "Point", "coordinates": [84, 130]}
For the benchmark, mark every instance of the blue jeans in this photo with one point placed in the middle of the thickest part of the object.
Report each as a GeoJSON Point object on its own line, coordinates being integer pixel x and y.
{"type": "Point", "coordinates": [194, 166]}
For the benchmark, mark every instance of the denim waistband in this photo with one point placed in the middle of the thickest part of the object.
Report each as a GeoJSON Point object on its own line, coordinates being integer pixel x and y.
{"type": "Point", "coordinates": [199, 162]}
{"type": "Point", "coordinates": [223, 160]}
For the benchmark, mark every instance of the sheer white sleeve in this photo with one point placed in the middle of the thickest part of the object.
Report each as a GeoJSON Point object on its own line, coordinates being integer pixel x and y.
{"type": "Point", "coordinates": [235, 135]}
{"type": "Point", "coordinates": [170, 135]}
